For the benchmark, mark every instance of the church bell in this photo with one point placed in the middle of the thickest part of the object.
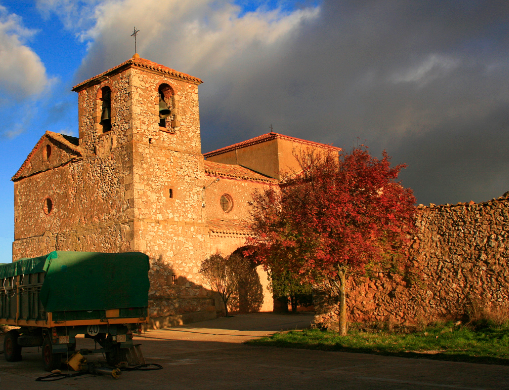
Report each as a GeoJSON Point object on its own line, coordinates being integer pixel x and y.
{"type": "Point", "coordinates": [106, 115]}
{"type": "Point", "coordinates": [164, 111]}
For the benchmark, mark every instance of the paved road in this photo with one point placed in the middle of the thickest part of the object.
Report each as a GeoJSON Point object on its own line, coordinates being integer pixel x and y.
{"type": "Point", "coordinates": [210, 355]}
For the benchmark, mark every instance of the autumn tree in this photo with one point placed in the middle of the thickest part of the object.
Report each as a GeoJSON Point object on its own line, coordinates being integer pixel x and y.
{"type": "Point", "coordinates": [225, 274]}
{"type": "Point", "coordinates": [339, 216]}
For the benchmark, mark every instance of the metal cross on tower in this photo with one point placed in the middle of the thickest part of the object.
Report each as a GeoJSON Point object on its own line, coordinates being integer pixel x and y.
{"type": "Point", "coordinates": [135, 32]}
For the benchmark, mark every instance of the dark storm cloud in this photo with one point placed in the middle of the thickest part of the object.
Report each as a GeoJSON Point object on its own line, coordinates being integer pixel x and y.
{"type": "Point", "coordinates": [427, 81]}
{"type": "Point", "coordinates": [460, 161]}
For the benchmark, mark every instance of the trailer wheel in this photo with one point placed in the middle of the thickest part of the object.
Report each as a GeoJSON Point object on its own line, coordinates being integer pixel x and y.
{"type": "Point", "coordinates": [12, 350]}
{"type": "Point", "coordinates": [51, 360]}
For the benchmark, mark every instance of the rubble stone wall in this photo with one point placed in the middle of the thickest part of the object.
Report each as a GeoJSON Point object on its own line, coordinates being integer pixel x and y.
{"type": "Point", "coordinates": [459, 261]}
{"type": "Point", "coordinates": [89, 208]}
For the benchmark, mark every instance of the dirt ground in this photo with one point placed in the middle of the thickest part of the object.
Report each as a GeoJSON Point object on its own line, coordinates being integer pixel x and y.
{"type": "Point", "coordinates": [210, 355]}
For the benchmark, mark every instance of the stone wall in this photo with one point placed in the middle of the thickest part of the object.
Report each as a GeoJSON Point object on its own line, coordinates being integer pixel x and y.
{"type": "Point", "coordinates": [89, 208]}
{"type": "Point", "coordinates": [458, 263]}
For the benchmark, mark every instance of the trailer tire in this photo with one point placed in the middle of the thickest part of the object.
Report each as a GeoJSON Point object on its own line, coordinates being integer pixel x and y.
{"type": "Point", "coordinates": [12, 350]}
{"type": "Point", "coordinates": [51, 360]}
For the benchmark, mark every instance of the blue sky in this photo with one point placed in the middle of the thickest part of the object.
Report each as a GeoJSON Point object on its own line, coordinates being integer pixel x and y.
{"type": "Point", "coordinates": [427, 81]}
{"type": "Point", "coordinates": [27, 116]}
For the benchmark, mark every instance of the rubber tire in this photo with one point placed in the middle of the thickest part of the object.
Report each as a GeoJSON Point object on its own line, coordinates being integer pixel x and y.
{"type": "Point", "coordinates": [51, 361]}
{"type": "Point", "coordinates": [12, 350]}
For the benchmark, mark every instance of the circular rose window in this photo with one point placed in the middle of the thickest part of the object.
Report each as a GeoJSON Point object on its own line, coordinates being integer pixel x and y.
{"type": "Point", "coordinates": [226, 203]}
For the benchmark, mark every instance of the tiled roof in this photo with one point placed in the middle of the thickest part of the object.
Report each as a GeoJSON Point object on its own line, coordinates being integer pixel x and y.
{"type": "Point", "coordinates": [137, 61]}
{"type": "Point", "coordinates": [264, 138]}
{"type": "Point", "coordinates": [235, 172]}
{"type": "Point", "coordinates": [66, 140]}
{"type": "Point", "coordinates": [229, 227]}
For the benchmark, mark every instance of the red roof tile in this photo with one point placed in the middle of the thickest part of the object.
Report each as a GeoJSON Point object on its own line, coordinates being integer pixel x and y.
{"type": "Point", "coordinates": [235, 172]}
{"type": "Point", "coordinates": [137, 61]}
{"type": "Point", "coordinates": [264, 138]}
{"type": "Point", "coordinates": [229, 227]}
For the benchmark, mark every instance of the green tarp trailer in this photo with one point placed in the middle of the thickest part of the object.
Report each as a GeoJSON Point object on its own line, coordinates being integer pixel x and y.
{"type": "Point", "coordinates": [74, 286]}
{"type": "Point", "coordinates": [53, 298]}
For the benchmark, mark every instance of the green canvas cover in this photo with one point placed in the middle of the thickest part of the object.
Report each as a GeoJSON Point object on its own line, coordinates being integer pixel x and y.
{"type": "Point", "coordinates": [88, 280]}
{"type": "Point", "coordinates": [22, 267]}
{"type": "Point", "coordinates": [95, 281]}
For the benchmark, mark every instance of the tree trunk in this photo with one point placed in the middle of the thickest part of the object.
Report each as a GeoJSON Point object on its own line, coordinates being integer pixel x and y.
{"type": "Point", "coordinates": [225, 299]}
{"type": "Point", "coordinates": [281, 305]}
{"type": "Point", "coordinates": [293, 302]}
{"type": "Point", "coordinates": [342, 302]}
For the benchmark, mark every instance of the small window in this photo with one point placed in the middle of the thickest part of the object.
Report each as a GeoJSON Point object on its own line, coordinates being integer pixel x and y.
{"type": "Point", "coordinates": [106, 109]}
{"type": "Point", "coordinates": [47, 152]}
{"type": "Point", "coordinates": [48, 206]}
{"type": "Point", "coordinates": [170, 193]}
{"type": "Point", "coordinates": [226, 202]}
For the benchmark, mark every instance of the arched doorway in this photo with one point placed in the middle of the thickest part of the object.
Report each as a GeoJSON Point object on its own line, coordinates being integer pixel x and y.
{"type": "Point", "coordinates": [254, 294]}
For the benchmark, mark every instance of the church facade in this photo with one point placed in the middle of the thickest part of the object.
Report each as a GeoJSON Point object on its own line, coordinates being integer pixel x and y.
{"type": "Point", "coordinates": [136, 180]}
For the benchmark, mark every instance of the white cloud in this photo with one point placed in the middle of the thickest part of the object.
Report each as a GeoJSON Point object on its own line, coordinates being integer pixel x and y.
{"type": "Point", "coordinates": [22, 74]}
{"type": "Point", "coordinates": [432, 67]}
{"type": "Point", "coordinates": [68, 131]}
{"type": "Point", "coordinates": [190, 35]}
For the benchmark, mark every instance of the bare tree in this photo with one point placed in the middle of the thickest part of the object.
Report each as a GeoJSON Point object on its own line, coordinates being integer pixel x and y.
{"type": "Point", "coordinates": [224, 274]}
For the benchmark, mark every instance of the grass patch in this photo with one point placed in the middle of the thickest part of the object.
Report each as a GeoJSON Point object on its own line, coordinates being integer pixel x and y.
{"type": "Point", "coordinates": [479, 343]}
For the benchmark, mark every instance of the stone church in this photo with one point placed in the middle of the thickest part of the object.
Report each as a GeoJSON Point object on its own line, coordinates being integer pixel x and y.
{"type": "Point", "coordinates": [136, 180]}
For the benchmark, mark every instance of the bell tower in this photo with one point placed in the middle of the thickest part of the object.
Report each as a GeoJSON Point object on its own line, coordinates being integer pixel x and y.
{"type": "Point", "coordinates": [139, 101]}
{"type": "Point", "coordinates": [144, 118]}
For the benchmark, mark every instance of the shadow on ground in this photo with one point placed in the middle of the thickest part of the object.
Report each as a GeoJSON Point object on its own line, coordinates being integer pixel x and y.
{"type": "Point", "coordinates": [189, 364]}
{"type": "Point", "coordinates": [214, 357]}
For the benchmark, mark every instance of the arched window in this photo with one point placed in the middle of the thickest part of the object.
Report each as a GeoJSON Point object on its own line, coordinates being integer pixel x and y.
{"type": "Point", "coordinates": [46, 153]}
{"type": "Point", "coordinates": [47, 206]}
{"type": "Point", "coordinates": [165, 95]}
{"type": "Point", "coordinates": [106, 109]}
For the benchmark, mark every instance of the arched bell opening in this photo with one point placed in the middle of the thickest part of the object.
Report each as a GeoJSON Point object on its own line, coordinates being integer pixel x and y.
{"type": "Point", "coordinates": [165, 99]}
{"type": "Point", "coordinates": [106, 109]}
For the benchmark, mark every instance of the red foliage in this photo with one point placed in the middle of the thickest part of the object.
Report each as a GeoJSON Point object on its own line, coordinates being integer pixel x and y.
{"type": "Point", "coordinates": [338, 213]}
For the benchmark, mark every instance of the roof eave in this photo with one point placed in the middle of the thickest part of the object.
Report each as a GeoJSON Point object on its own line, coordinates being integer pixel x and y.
{"type": "Point", "coordinates": [137, 62]}
{"type": "Point", "coordinates": [265, 138]}
{"type": "Point", "coordinates": [55, 136]}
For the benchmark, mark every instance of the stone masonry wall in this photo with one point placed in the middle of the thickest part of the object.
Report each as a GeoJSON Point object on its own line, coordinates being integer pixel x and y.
{"type": "Point", "coordinates": [167, 188]}
{"type": "Point", "coordinates": [458, 263]}
{"type": "Point", "coordinates": [90, 209]}
{"type": "Point", "coordinates": [92, 198]}
{"type": "Point", "coordinates": [228, 230]}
